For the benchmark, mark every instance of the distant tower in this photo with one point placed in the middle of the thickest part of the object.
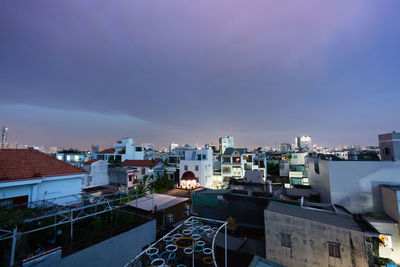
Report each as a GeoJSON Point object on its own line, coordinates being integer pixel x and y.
{"type": "Point", "coordinates": [225, 142]}
{"type": "Point", "coordinates": [297, 143]}
{"type": "Point", "coordinates": [4, 137]}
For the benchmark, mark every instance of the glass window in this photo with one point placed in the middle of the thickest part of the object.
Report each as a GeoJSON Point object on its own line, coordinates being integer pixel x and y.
{"type": "Point", "coordinates": [334, 249]}
{"type": "Point", "coordinates": [196, 168]}
{"type": "Point", "coordinates": [285, 240]}
{"type": "Point", "coordinates": [186, 167]}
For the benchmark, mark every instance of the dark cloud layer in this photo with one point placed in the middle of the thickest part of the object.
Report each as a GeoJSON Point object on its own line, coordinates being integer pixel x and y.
{"type": "Point", "coordinates": [189, 71]}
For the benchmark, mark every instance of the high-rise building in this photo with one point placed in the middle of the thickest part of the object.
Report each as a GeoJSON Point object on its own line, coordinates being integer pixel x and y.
{"type": "Point", "coordinates": [306, 143]}
{"type": "Point", "coordinates": [297, 142]}
{"type": "Point", "coordinates": [284, 148]}
{"type": "Point", "coordinates": [225, 142]}
{"type": "Point", "coordinates": [4, 137]}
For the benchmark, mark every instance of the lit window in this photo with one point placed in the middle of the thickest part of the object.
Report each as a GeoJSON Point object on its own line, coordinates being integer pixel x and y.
{"type": "Point", "coordinates": [285, 240]}
{"type": "Point", "coordinates": [68, 158]}
{"type": "Point", "coordinates": [76, 158]}
{"type": "Point", "coordinates": [334, 249]}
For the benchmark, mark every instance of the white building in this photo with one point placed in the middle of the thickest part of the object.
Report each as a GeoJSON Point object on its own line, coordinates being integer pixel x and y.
{"type": "Point", "coordinates": [352, 184]}
{"type": "Point", "coordinates": [298, 158]}
{"type": "Point", "coordinates": [225, 142]}
{"type": "Point", "coordinates": [137, 169]}
{"type": "Point", "coordinates": [235, 161]}
{"type": "Point", "coordinates": [200, 163]}
{"type": "Point", "coordinates": [124, 149]}
{"type": "Point", "coordinates": [98, 173]}
{"type": "Point", "coordinates": [30, 176]}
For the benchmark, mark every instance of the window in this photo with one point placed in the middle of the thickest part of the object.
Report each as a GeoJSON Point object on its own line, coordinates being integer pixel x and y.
{"type": "Point", "coordinates": [196, 168]}
{"type": "Point", "coordinates": [143, 171]}
{"type": "Point", "coordinates": [204, 156]}
{"type": "Point", "coordinates": [6, 203]}
{"type": "Point", "coordinates": [334, 249]}
{"type": "Point", "coordinates": [139, 149]}
{"type": "Point", "coordinates": [285, 240]}
{"type": "Point", "coordinates": [186, 167]}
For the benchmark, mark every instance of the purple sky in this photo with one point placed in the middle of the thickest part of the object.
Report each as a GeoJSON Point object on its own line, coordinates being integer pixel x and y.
{"type": "Point", "coordinates": [75, 73]}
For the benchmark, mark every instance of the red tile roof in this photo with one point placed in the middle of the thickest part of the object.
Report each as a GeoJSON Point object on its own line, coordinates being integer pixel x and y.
{"type": "Point", "coordinates": [141, 163]}
{"type": "Point", "coordinates": [90, 161]}
{"type": "Point", "coordinates": [107, 151]}
{"type": "Point", "coordinates": [16, 164]}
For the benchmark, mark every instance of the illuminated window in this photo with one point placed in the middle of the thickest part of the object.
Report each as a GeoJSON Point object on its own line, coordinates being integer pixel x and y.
{"type": "Point", "coordinates": [76, 158]}
{"type": "Point", "coordinates": [68, 158]}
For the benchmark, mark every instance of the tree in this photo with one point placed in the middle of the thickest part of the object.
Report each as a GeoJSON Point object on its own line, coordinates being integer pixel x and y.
{"type": "Point", "coordinates": [162, 183]}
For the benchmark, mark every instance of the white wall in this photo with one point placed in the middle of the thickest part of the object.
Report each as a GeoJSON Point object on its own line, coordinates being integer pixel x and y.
{"type": "Point", "coordinates": [354, 184]}
{"type": "Point", "coordinates": [98, 173]}
{"type": "Point", "coordinates": [45, 188]}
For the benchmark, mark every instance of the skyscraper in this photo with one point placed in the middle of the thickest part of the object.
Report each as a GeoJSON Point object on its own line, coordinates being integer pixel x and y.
{"type": "Point", "coordinates": [4, 137]}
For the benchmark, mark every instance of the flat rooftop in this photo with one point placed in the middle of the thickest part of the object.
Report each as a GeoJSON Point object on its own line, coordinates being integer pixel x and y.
{"type": "Point", "coordinates": [322, 216]}
{"type": "Point", "coordinates": [160, 201]}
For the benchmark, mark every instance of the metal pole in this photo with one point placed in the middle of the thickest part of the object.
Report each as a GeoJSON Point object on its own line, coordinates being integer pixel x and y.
{"type": "Point", "coordinates": [14, 241]}
{"type": "Point", "coordinates": [152, 206]}
{"type": "Point", "coordinates": [226, 249]}
{"type": "Point", "coordinates": [193, 258]}
{"type": "Point", "coordinates": [72, 225]}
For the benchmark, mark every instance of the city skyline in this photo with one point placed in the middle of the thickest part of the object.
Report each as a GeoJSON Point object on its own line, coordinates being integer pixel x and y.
{"type": "Point", "coordinates": [90, 73]}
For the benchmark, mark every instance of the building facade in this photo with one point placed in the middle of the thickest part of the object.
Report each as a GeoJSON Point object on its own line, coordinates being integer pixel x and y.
{"type": "Point", "coordinates": [296, 236]}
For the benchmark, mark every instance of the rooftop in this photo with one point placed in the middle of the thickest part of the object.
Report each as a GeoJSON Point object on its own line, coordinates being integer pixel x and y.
{"type": "Point", "coordinates": [141, 163]}
{"type": "Point", "coordinates": [91, 161]}
{"type": "Point", "coordinates": [17, 164]}
{"type": "Point", "coordinates": [160, 201]}
{"type": "Point", "coordinates": [322, 216]}
{"type": "Point", "coordinates": [107, 151]}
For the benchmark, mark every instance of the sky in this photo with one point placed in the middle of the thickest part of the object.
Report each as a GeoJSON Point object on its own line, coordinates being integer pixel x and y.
{"type": "Point", "coordinates": [75, 73]}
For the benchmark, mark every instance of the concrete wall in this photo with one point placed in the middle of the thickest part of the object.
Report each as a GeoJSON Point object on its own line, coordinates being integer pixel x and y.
{"type": "Point", "coordinates": [353, 184]}
{"type": "Point", "coordinates": [391, 202]}
{"type": "Point", "coordinates": [319, 181]}
{"type": "Point", "coordinates": [115, 251]}
{"type": "Point", "coordinates": [309, 242]}
{"type": "Point", "coordinates": [98, 173]}
{"type": "Point", "coordinates": [246, 210]}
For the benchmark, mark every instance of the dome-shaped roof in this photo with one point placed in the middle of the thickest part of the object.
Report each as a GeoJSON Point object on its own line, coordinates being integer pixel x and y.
{"type": "Point", "coordinates": [188, 176]}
